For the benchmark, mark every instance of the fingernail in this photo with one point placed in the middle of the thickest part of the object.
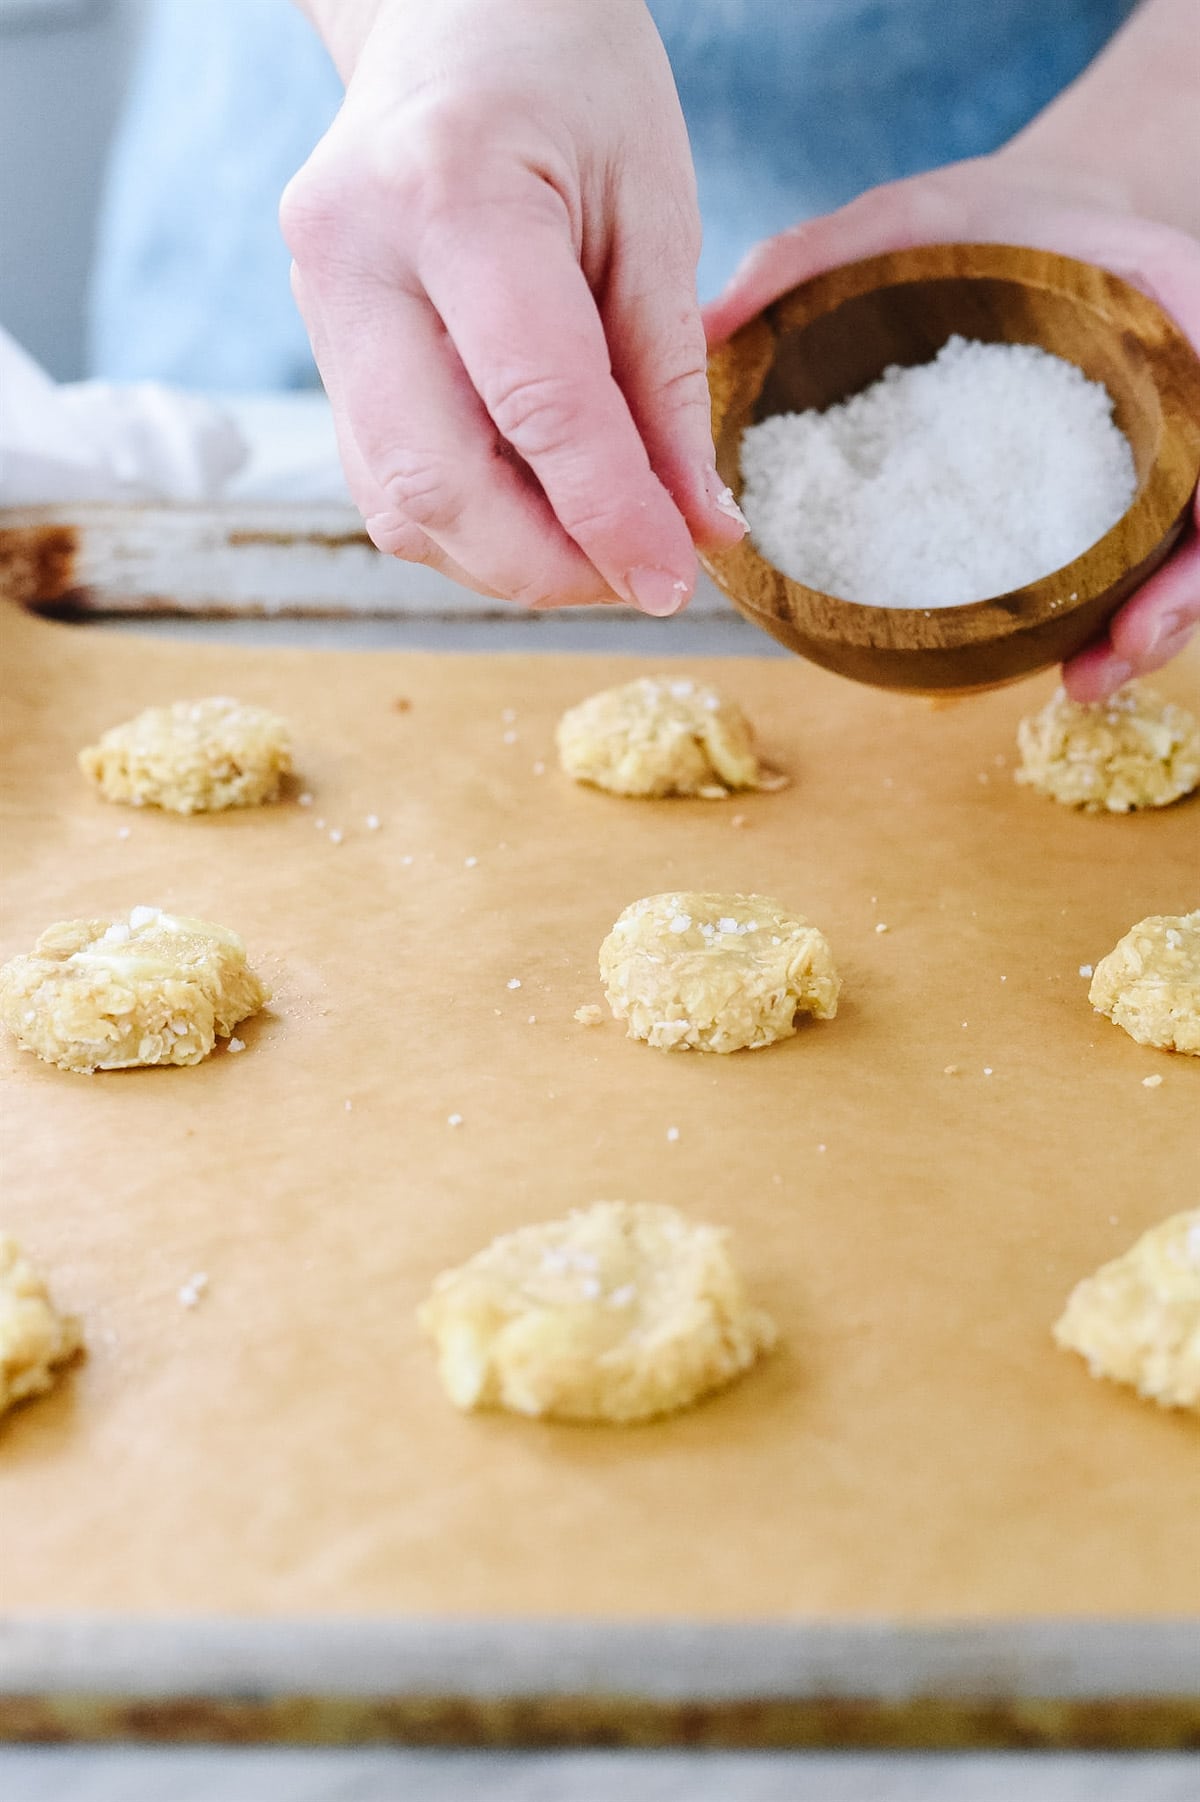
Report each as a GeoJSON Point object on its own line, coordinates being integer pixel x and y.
{"type": "Point", "coordinates": [657, 591]}
{"type": "Point", "coordinates": [1115, 674]}
{"type": "Point", "coordinates": [723, 500]}
{"type": "Point", "coordinates": [1169, 638]}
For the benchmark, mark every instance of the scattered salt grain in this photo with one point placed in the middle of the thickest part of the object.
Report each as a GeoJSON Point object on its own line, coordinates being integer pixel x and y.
{"type": "Point", "coordinates": [940, 485]}
{"type": "Point", "coordinates": [305, 800]}
{"type": "Point", "coordinates": [532, 1020]}
{"type": "Point", "coordinates": [622, 1297]}
{"type": "Point", "coordinates": [1085, 969]}
{"type": "Point", "coordinates": [236, 1045]}
{"type": "Point", "coordinates": [539, 768]}
{"type": "Point", "coordinates": [335, 835]}
{"type": "Point", "coordinates": [122, 832]}
{"type": "Point", "coordinates": [590, 1015]}
{"type": "Point", "coordinates": [509, 737]}
{"type": "Point", "coordinates": [514, 982]}
{"type": "Point", "coordinates": [470, 862]}
{"type": "Point", "coordinates": [987, 1069]}
{"type": "Point", "coordinates": [673, 1134]}
{"type": "Point", "coordinates": [508, 716]}
{"type": "Point", "coordinates": [191, 1291]}
{"type": "Point", "coordinates": [348, 1105]}
{"type": "Point", "coordinates": [679, 923]}
{"type": "Point", "coordinates": [372, 822]}
{"type": "Point", "coordinates": [320, 825]}
{"type": "Point", "coordinates": [738, 820]}
{"type": "Point", "coordinates": [454, 1119]}
{"type": "Point", "coordinates": [1151, 1082]}
{"type": "Point", "coordinates": [881, 927]}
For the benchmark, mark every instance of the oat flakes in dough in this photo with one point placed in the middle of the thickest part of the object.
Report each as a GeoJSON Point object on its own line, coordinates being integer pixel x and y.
{"type": "Point", "coordinates": [1135, 750]}
{"type": "Point", "coordinates": [108, 995]}
{"type": "Point", "coordinates": [661, 735]}
{"type": "Point", "coordinates": [34, 1340]}
{"type": "Point", "coordinates": [1138, 1319]}
{"type": "Point", "coordinates": [1150, 982]}
{"type": "Point", "coordinates": [192, 757]}
{"type": "Point", "coordinates": [620, 1312]}
{"type": "Point", "coordinates": [716, 972]}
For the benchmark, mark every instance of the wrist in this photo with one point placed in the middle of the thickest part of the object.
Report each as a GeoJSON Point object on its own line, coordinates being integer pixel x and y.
{"type": "Point", "coordinates": [343, 26]}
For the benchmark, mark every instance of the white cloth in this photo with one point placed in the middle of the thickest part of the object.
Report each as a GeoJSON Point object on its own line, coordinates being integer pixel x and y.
{"type": "Point", "coordinates": [146, 442]}
{"type": "Point", "coordinates": [105, 441]}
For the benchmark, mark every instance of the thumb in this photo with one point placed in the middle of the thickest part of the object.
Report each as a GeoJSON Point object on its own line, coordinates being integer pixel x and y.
{"type": "Point", "coordinates": [893, 217]}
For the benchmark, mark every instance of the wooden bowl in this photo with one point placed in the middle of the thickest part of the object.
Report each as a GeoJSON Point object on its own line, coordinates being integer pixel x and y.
{"type": "Point", "coordinates": [836, 334]}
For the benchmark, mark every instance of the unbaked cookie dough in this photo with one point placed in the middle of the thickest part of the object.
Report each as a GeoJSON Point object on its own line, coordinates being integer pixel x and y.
{"type": "Point", "coordinates": [1135, 750]}
{"type": "Point", "coordinates": [1150, 982]}
{"type": "Point", "coordinates": [35, 1340]}
{"type": "Point", "coordinates": [156, 988]}
{"type": "Point", "coordinates": [192, 757]}
{"type": "Point", "coordinates": [661, 735]}
{"type": "Point", "coordinates": [620, 1312]}
{"type": "Point", "coordinates": [716, 972]}
{"type": "Point", "coordinates": [1138, 1319]}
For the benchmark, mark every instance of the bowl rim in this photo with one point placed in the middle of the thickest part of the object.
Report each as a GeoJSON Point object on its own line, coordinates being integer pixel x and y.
{"type": "Point", "coordinates": [1165, 492]}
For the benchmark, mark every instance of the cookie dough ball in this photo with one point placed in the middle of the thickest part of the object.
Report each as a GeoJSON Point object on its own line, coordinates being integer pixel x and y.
{"type": "Point", "coordinates": [156, 988]}
{"type": "Point", "coordinates": [1150, 982]}
{"type": "Point", "coordinates": [1135, 750]}
{"type": "Point", "coordinates": [619, 1312]}
{"type": "Point", "coordinates": [661, 735]}
{"type": "Point", "coordinates": [716, 972]}
{"type": "Point", "coordinates": [1138, 1319]}
{"type": "Point", "coordinates": [192, 757]}
{"type": "Point", "coordinates": [35, 1341]}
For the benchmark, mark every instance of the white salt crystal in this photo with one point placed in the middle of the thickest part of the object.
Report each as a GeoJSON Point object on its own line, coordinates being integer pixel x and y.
{"type": "Point", "coordinates": [191, 1291]}
{"type": "Point", "coordinates": [940, 485]}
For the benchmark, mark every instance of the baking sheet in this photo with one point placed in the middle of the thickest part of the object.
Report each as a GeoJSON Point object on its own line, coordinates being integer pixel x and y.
{"type": "Point", "coordinates": [916, 1449]}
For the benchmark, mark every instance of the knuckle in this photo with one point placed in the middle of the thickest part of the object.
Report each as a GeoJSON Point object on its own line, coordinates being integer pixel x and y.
{"type": "Point", "coordinates": [534, 412]}
{"type": "Point", "coordinates": [310, 211]}
{"type": "Point", "coordinates": [420, 490]}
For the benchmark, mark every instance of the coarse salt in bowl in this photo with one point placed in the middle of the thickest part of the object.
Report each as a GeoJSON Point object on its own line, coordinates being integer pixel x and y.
{"type": "Point", "coordinates": [961, 408]}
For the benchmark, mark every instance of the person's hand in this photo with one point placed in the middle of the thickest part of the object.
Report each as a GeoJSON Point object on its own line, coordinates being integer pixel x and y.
{"type": "Point", "coordinates": [494, 252]}
{"type": "Point", "coordinates": [1007, 199]}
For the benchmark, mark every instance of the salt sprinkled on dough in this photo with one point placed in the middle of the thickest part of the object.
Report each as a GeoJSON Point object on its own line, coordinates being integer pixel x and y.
{"type": "Point", "coordinates": [193, 1289]}
{"type": "Point", "coordinates": [940, 485]}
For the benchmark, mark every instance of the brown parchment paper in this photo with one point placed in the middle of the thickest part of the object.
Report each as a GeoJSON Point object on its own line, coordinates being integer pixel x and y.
{"type": "Point", "coordinates": [915, 1448]}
